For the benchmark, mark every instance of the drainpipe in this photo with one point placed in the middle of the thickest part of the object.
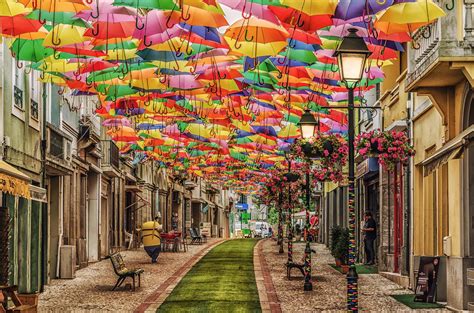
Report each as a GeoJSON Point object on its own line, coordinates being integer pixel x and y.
{"type": "Point", "coordinates": [44, 206]}
{"type": "Point", "coordinates": [61, 230]}
{"type": "Point", "coordinates": [2, 104]}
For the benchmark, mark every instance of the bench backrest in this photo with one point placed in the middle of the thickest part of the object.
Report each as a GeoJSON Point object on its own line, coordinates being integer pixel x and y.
{"type": "Point", "coordinates": [118, 264]}
{"type": "Point", "coordinates": [192, 232]}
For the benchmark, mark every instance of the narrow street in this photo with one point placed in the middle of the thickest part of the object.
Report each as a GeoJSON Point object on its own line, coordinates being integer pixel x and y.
{"type": "Point", "coordinates": [223, 278]}
{"type": "Point", "coordinates": [153, 152]}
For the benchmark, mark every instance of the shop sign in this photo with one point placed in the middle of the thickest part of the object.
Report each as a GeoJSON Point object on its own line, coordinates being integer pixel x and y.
{"type": "Point", "coordinates": [38, 194]}
{"type": "Point", "coordinates": [426, 280]}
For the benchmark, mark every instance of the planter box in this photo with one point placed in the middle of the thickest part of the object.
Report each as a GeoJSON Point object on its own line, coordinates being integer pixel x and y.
{"type": "Point", "coordinates": [31, 300]}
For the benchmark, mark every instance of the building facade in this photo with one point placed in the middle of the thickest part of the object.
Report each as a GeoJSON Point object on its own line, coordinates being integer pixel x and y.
{"type": "Point", "coordinates": [440, 73]}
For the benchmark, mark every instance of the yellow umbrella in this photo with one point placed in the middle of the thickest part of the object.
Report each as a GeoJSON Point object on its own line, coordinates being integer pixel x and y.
{"type": "Point", "coordinates": [254, 49]}
{"type": "Point", "coordinates": [56, 5]}
{"type": "Point", "coordinates": [255, 37]}
{"type": "Point", "coordinates": [148, 84]}
{"type": "Point", "coordinates": [121, 54]}
{"type": "Point", "coordinates": [421, 11]}
{"type": "Point", "coordinates": [49, 78]}
{"type": "Point", "coordinates": [63, 35]}
{"type": "Point", "coordinates": [394, 28]}
{"type": "Point", "coordinates": [289, 131]}
{"type": "Point", "coordinates": [50, 64]}
{"type": "Point", "coordinates": [203, 5]}
{"type": "Point", "coordinates": [312, 7]}
{"type": "Point", "coordinates": [12, 8]}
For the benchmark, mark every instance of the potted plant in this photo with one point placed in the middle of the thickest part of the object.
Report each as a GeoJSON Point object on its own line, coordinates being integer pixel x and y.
{"type": "Point", "coordinates": [298, 232]}
{"type": "Point", "coordinates": [335, 234]}
{"type": "Point", "coordinates": [341, 249]}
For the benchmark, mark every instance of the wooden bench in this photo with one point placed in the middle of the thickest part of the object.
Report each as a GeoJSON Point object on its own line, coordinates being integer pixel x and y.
{"type": "Point", "coordinates": [123, 272]}
{"type": "Point", "coordinates": [292, 265]}
{"type": "Point", "coordinates": [9, 292]}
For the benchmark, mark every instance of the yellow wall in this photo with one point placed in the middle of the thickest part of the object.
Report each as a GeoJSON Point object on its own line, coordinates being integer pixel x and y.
{"type": "Point", "coordinates": [454, 192]}
{"type": "Point", "coordinates": [428, 132]}
{"type": "Point", "coordinates": [437, 197]}
{"type": "Point", "coordinates": [394, 102]}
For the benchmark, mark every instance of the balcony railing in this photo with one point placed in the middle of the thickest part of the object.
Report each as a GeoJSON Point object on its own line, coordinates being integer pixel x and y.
{"type": "Point", "coordinates": [111, 154]}
{"type": "Point", "coordinates": [441, 39]}
{"type": "Point", "coordinates": [424, 50]}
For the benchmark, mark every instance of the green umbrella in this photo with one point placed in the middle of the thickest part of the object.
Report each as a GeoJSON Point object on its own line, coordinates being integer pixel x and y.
{"type": "Point", "coordinates": [30, 50]}
{"type": "Point", "coordinates": [148, 4]}
{"type": "Point", "coordinates": [58, 18]}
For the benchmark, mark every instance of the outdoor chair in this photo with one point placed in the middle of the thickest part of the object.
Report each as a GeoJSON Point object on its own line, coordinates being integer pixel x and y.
{"type": "Point", "coordinates": [195, 238]}
{"type": "Point", "coordinates": [9, 292]}
{"type": "Point", "coordinates": [292, 265]}
{"type": "Point", "coordinates": [203, 237]}
{"type": "Point", "coordinates": [123, 272]}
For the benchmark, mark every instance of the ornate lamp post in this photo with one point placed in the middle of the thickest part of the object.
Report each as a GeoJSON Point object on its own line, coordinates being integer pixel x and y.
{"type": "Point", "coordinates": [307, 126]}
{"type": "Point", "coordinates": [352, 54]}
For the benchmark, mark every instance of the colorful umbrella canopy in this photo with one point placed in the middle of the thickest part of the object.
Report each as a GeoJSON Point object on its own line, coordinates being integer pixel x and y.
{"type": "Point", "coordinates": [175, 84]}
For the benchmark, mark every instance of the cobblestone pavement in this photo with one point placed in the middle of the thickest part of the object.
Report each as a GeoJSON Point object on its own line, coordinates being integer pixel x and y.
{"type": "Point", "coordinates": [329, 286]}
{"type": "Point", "coordinates": [91, 290]}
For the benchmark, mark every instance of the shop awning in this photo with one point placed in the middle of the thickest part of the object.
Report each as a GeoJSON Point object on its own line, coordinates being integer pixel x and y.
{"type": "Point", "coordinates": [13, 181]}
{"type": "Point", "coordinates": [453, 149]}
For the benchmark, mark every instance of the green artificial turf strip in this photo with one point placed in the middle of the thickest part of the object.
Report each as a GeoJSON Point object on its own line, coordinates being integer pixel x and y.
{"type": "Point", "coordinates": [361, 269]}
{"type": "Point", "coordinates": [222, 281]}
{"type": "Point", "coordinates": [408, 300]}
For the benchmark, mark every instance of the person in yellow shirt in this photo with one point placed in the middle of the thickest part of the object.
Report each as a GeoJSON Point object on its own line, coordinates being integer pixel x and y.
{"type": "Point", "coordinates": [151, 238]}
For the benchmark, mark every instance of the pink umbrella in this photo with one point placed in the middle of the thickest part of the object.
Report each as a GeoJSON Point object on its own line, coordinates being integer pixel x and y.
{"type": "Point", "coordinates": [116, 121]}
{"type": "Point", "coordinates": [156, 22]}
{"type": "Point", "coordinates": [334, 126]}
{"type": "Point", "coordinates": [184, 82]}
{"type": "Point", "coordinates": [158, 38]}
{"type": "Point", "coordinates": [249, 9]}
{"type": "Point", "coordinates": [340, 96]}
{"type": "Point", "coordinates": [102, 9]}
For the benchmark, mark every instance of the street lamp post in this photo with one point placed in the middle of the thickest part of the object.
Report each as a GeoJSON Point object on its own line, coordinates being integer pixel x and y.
{"type": "Point", "coordinates": [352, 54]}
{"type": "Point", "coordinates": [307, 126]}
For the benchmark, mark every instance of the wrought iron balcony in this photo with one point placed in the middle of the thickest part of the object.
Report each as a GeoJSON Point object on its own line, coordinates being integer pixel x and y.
{"type": "Point", "coordinates": [110, 155]}
{"type": "Point", "coordinates": [435, 45]}
{"type": "Point", "coordinates": [58, 151]}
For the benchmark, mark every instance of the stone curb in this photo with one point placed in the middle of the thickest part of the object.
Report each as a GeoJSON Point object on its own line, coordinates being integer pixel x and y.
{"type": "Point", "coordinates": [266, 291]}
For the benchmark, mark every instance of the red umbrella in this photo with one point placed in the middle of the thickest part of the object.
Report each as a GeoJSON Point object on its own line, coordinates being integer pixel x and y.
{"type": "Point", "coordinates": [309, 23]}
{"type": "Point", "coordinates": [17, 25]}
{"type": "Point", "coordinates": [111, 29]}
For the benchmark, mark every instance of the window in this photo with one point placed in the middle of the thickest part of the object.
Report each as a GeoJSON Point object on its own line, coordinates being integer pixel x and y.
{"type": "Point", "coordinates": [377, 92]}
{"type": "Point", "coordinates": [18, 97]}
{"type": "Point", "coordinates": [34, 110]}
{"type": "Point", "coordinates": [18, 87]}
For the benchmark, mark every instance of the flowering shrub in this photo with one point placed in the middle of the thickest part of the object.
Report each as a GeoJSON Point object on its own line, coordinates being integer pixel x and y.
{"type": "Point", "coordinates": [392, 147]}
{"type": "Point", "coordinates": [330, 149]}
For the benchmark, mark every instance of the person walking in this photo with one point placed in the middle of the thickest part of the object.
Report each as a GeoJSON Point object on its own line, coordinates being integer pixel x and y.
{"type": "Point", "coordinates": [151, 238]}
{"type": "Point", "coordinates": [370, 234]}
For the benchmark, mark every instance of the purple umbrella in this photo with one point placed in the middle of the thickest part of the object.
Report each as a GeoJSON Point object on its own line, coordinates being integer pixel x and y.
{"type": "Point", "coordinates": [341, 31]}
{"type": "Point", "coordinates": [349, 9]}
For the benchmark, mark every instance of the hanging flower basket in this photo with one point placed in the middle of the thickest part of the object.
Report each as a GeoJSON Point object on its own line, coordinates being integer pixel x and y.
{"type": "Point", "coordinates": [331, 152]}
{"type": "Point", "coordinates": [391, 147]}
{"type": "Point", "coordinates": [291, 177]}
